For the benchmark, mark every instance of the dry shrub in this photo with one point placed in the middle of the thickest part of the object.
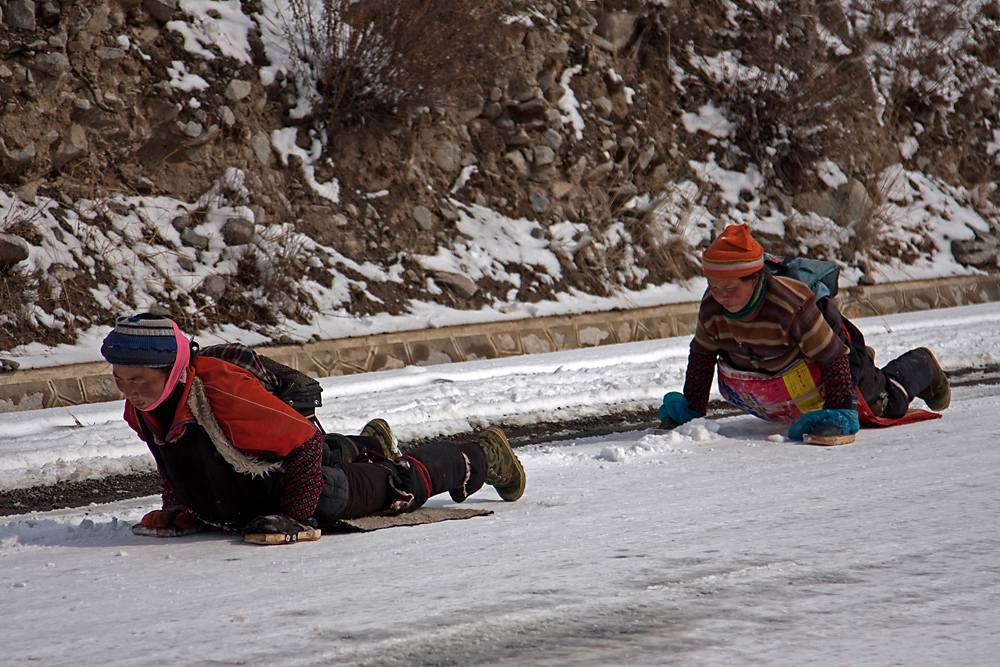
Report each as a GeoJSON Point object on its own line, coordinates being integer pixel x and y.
{"type": "Point", "coordinates": [19, 287]}
{"type": "Point", "coordinates": [869, 232]}
{"type": "Point", "coordinates": [939, 74]}
{"type": "Point", "coordinates": [785, 122]}
{"type": "Point", "coordinates": [875, 237]}
{"type": "Point", "coordinates": [240, 301]}
{"type": "Point", "coordinates": [267, 285]}
{"type": "Point", "coordinates": [18, 290]}
{"type": "Point", "coordinates": [373, 58]}
{"type": "Point", "coordinates": [280, 271]}
{"type": "Point", "coordinates": [789, 103]}
{"type": "Point", "coordinates": [662, 230]}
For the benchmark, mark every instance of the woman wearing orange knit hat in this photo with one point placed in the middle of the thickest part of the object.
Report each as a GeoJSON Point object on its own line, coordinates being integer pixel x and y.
{"type": "Point", "coordinates": [784, 357]}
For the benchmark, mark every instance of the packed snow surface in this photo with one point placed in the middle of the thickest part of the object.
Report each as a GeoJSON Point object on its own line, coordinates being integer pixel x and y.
{"type": "Point", "coordinates": [720, 543]}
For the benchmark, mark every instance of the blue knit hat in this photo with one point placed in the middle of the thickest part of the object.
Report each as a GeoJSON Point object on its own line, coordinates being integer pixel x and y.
{"type": "Point", "coordinates": [142, 340]}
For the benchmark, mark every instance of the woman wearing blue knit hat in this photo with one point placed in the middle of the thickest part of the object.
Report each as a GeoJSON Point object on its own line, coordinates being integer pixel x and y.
{"type": "Point", "coordinates": [233, 455]}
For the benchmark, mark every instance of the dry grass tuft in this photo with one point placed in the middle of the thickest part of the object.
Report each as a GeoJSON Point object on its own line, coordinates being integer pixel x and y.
{"type": "Point", "coordinates": [18, 290]}
{"type": "Point", "coordinates": [375, 58]}
{"type": "Point", "coordinates": [785, 124]}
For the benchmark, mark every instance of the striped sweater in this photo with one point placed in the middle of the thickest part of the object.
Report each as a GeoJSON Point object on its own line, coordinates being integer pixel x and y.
{"type": "Point", "coordinates": [785, 328]}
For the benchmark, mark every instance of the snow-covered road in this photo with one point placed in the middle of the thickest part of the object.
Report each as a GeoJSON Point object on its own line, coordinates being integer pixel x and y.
{"type": "Point", "coordinates": [718, 544]}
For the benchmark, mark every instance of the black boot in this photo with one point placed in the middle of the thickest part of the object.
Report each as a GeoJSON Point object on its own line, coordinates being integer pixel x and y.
{"type": "Point", "coordinates": [458, 469]}
{"type": "Point", "coordinates": [905, 377]}
{"type": "Point", "coordinates": [915, 374]}
{"type": "Point", "coordinates": [937, 394]}
{"type": "Point", "coordinates": [668, 424]}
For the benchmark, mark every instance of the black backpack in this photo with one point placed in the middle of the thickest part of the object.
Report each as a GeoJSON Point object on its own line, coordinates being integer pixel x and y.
{"type": "Point", "coordinates": [821, 277]}
{"type": "Point", "coordinates": [293, 387]}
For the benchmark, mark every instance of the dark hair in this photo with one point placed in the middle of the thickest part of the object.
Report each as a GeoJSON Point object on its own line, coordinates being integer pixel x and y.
{"type": "Point", "coordinates": [760, 274]}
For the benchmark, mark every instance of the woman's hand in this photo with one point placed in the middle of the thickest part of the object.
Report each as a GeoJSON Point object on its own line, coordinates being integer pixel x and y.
{"type": "Point", "coordinates": [675, 407]}
{"type": "Point", "coordinates": [175, 516]}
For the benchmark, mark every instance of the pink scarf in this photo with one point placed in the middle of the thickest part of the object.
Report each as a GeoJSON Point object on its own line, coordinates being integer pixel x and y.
{"type": "Point", "coordinates": [180, 365]}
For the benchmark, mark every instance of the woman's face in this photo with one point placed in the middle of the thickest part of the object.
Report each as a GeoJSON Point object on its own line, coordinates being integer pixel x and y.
{"type": "Point", "coordinates": [732, 293]}
{"type": "Point", "coordinates": [142, 386]}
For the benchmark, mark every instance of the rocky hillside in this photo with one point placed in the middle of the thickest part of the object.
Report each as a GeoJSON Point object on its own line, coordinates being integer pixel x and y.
{"type": "Point", "coordinates": [231, 162]}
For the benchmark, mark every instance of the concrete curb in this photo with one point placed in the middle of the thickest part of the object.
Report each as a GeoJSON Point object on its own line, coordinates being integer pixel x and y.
{"type": "Point", "coordinates": [92, 383]}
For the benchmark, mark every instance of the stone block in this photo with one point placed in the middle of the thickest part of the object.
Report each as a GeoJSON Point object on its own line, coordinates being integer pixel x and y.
{"type": "Point", "coordinates": [946, 298]}
{"type": "Point", "coordinates": [476, 347]}
{"type": "Point", "coordinates": [50, 64]}
{"type": "Point", "coordinates": [238, 231]}
{"type": "Point", "coordinates": [161, 10]}
{"type": "Point", "coordinates": [685, 323]}
{"type": "Point", "coordinates": [100, 388]}
{"type": "Point", "coordinates": [66, 391]}
{"type": "Point", "coordinates": [13, 249]}
{"type": "Point", "coordinates": [617, 28]}
{"type": "Point", "coordinates": [564, 337]}
{"type": "Point", "coordinates": [645, 329]}
{"type": "Point", "coordinates": [388, 357]}
{"type": "Point", "coordinates": [857, 309]}
{"type": "Point", "coordinates": [535, 341]}
{"type": "Point", "coordinates": [989, 290]}
{"type": "Point", "coordinates": [448, 157]}
{"type": "Point", "coordinates": [885, 304]}
{"type": "Point", "coordinates": [593, 335]}
{"type": "Point", "coordinates": [311, 365]}
{"type": "Point", "coordinates": [73, 146]}
{"type": "Point", "coordinates": [431, 352]}
{"type": "Point", "coordinates": [23, 396]}
{"type": "Point", "coordinates": [507, 343]}
{"type": "Point", "coordinates": [423, 217]}
{"type": "Point", "coordinates": [623, 331]}
{"type": "Point", "coordinates": [459, 282]}
{"type": "Point", "coordinates": [356, 359]}
{"type": "Point", "coordinates": [236, 90]}
{"type": "Point", "coordinates": [20, 14]}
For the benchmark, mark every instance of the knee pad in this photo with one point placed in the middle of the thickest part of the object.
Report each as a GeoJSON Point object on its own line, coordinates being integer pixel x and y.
{"type": "Point", "coordinates": [334, 496]}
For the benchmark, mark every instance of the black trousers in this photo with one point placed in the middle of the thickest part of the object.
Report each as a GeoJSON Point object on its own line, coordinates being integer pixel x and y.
{"type": "Point", "coordinates": [888, 390]}
{"type": "Point", "coordinates": [371, 484]}
{"type": "Point", "coordinates": [905, 376]}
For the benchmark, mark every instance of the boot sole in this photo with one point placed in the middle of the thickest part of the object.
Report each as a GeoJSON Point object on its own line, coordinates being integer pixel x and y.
{"type": "Point", "coordinates": [828, 440]}
{"type": "Point", "coordinates": [379, 429]}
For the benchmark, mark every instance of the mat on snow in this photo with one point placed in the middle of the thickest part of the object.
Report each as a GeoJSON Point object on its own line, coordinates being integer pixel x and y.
{"type": "Point", "coordinates": [415, 518]}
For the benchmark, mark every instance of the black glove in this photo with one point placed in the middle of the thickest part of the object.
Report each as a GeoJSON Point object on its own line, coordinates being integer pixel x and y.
{"type": "Point", "coordinates": [281, 524]}
{"type": "Point", "coordinates": [668, 424]}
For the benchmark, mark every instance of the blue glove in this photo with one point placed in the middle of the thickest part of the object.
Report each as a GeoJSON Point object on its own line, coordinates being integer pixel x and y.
{"type": "Point", "coordinates": [676, 407]}
{"type": "Point", "coordinates": [845, 420]}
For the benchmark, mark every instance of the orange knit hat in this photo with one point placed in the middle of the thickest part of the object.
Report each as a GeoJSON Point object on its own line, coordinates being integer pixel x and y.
{"type": "Point", "coordinates": [733, 254]}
